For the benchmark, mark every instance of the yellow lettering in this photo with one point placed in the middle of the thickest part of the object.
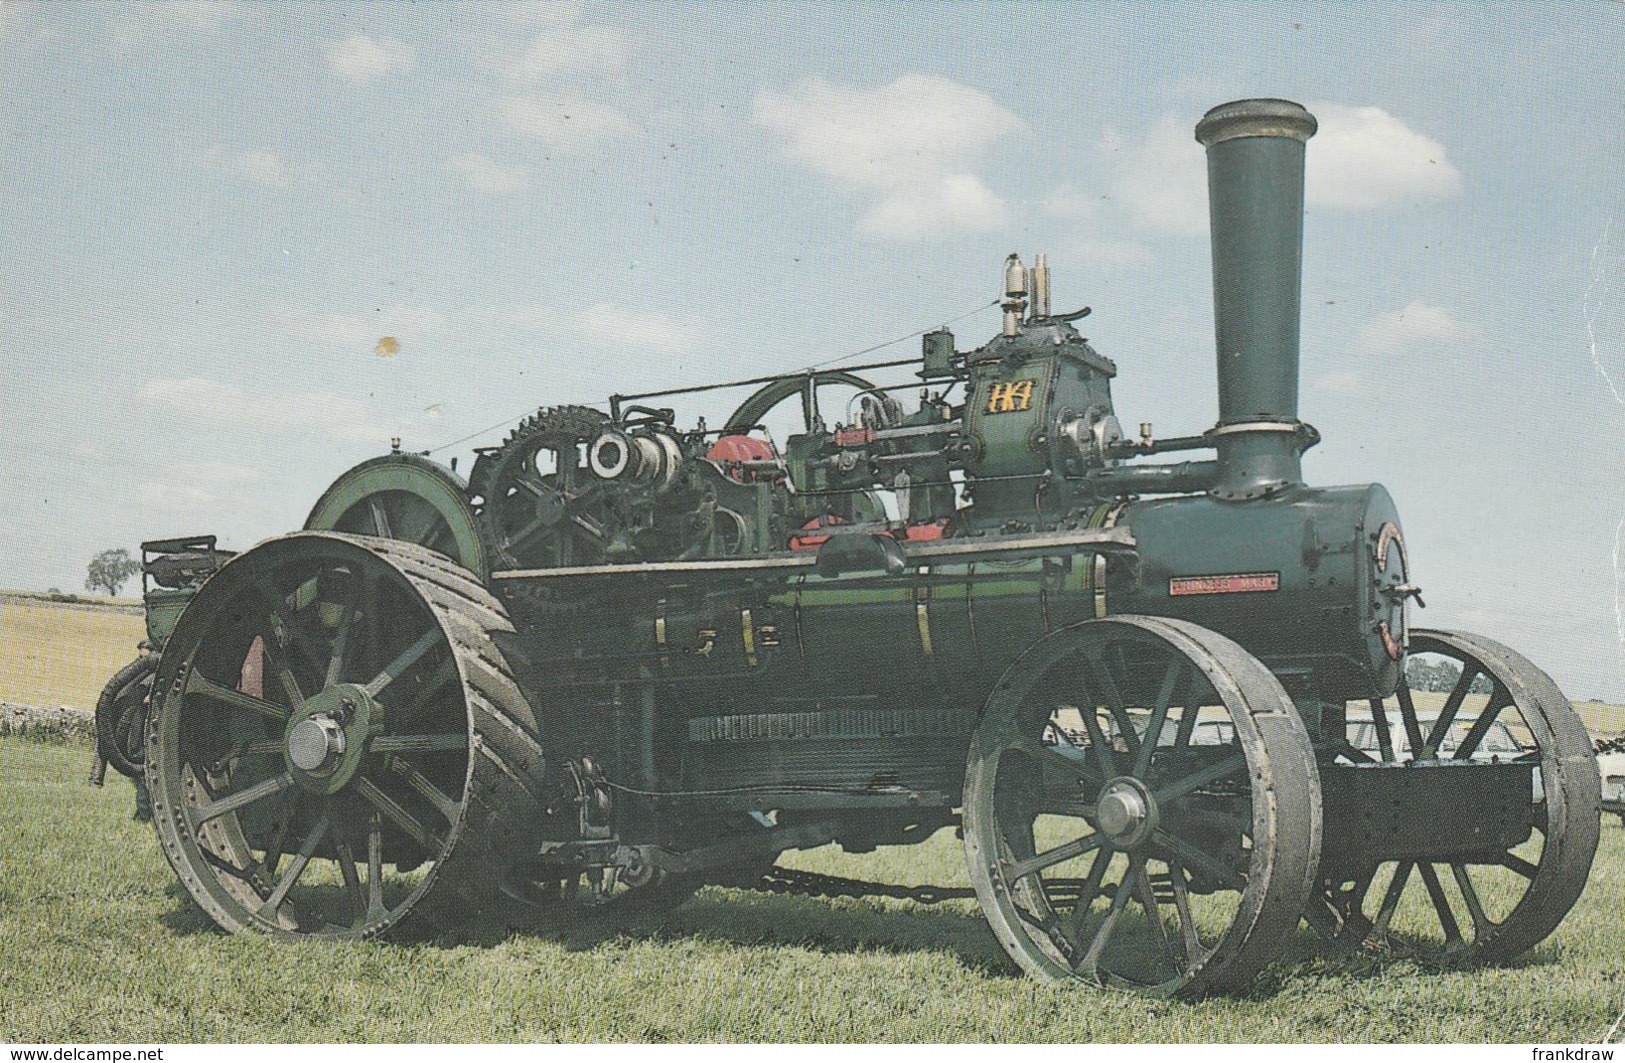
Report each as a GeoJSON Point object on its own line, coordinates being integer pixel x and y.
{"type": "Point", "coordinates": [1010, 398]}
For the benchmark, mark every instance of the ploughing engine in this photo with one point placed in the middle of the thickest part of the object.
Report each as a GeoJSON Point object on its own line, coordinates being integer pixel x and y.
{"type": "Point", "coordinates": [1168, 703]}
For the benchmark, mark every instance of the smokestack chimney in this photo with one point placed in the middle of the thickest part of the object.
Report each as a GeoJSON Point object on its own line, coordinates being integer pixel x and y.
{"type": "Point", "coordinates": [1255, 151]}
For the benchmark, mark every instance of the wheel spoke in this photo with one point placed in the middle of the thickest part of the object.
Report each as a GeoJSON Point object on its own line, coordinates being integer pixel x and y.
{"type": "Point", "coordinates": [407, 659]}
{"type": "Point", "coordinates": [1050, 857]}
{"type": "Point", "coordinates": [1089, 889]}
{"type": "Point", "coordinates": [284, 675]}
{"type": "Point", "coordinates": [380, 520]}
{"type": "Point", "coordinates": [419, 743]}
{"type": "Point", "coordinates": [242, 799]}
{"type": "Point", "coordinates": [397, 814]}
{"type": "Point", "coordinates": [296, 867]}
{"type": "Point", "coordinates": [375, 869]}
{"type": "Point", "coordinates": [1187, 922]}
{"type": "Point", "coordinates": [1447, 715]}
{"type": "Point", "coordinates": [424, 693]}
{"type": "Point", "coordinates": [1114, 703]}
{"type": "Point", "coordinates": [1191, 856]}
{"type": "Point", "coordinates": [1089, 963]}
{"type": "Point", "coordinates": [1191, 783]}
{"type": "Point", "coordinates": [1469, 896]}
{"type": "Point", "coordinates": [1407, 713]}
{"type": "Point", "coordinates": [201, 685]}
{"type": "Point", "coordinates": [279, 837]}
{"type": "Point", "coordinates": [1159, 930]}
{"type": "Point", "coordinates": [1385, 735]}
{"type": "Point", "coordinates": [1441, 904]}
{"type": "Point", "coordinates": [437, 797]}
{"type": "Point", "coordinates": [1481, 727]}
{"type": "Point", "coordinates": [1097, 740]}
{"type": "Point", "coordinates": [1159, 716]}
{"type": "Point", "coordinates": [341, 641]}
{"type": "Point", "coordinates": [352, 881]}
{"type": "Point", "coordinates": [525, 534]}
{"type": "Point", "coordinates": [1390, 899]}
{"type": "Point", "coordinates": [1519, 864]}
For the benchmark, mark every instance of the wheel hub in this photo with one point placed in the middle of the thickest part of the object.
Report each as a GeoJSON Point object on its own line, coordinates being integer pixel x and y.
{"type": "Point", "coordinates": [1126, 813]}
{"type": "Point", "coordinates": [324, 740]}
{"type": "Point", "coordinates": [315, 744]}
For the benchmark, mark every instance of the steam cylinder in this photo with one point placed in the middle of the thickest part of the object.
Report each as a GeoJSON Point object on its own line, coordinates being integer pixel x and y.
{"type": "Point", "coordinates": [1255, 155]}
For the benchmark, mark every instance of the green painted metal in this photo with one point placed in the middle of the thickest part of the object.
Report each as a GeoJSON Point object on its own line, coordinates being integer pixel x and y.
{"type": "Point", "coordinates": [406, 497]}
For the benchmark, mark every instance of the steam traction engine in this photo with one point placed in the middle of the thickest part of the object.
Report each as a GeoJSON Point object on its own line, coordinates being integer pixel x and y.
{"type": "Point", "coordinates": [1166, 702]}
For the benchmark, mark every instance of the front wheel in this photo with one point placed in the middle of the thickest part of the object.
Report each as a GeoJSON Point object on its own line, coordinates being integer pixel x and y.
{"type": "Point", "coordinates": [1142, 809]}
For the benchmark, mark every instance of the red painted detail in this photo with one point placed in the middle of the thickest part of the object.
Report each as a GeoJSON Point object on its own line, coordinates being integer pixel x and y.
{"type": "Point", "coordinates": [925, 533]}
{"type": "Point", "coordinates": [1241, 583]}
{"type": "Point", "coordinates": [1394, 650]}
{"type": "Point", "coordinates": [731, 451]}
{"type": "Point", "coordinates": [813, 535]}
{"type": "Point", "coordinates": [854, 437]}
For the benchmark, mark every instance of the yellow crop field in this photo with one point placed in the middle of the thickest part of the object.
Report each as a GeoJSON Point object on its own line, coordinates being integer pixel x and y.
{"type": "Point", "coordinates": [54, 653]}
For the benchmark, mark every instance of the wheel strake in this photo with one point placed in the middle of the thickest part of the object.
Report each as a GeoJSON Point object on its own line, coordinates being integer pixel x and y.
{"type": "Point", "coordinates": [1212, 825]}
{"type": "Point", "coordinates": [336, 748]}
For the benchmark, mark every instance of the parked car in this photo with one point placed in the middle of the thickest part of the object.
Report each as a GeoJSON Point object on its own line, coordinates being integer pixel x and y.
{"type": "Point", "coordinates": [1611, 764]}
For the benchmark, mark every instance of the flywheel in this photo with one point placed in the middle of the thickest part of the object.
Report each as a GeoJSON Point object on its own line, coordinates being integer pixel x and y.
{"type": "Point", "coordinates": [336, 748]}
{"type": "Point", "coordinates": [405, 497]}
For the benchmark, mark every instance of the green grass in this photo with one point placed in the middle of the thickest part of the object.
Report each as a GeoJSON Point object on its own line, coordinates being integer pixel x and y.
{"type": "Point", "coordinates": [99, 943]}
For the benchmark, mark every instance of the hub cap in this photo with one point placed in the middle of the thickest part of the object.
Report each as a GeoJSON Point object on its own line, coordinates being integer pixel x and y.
{"type": "Point", "coordinates": [1126, 812]}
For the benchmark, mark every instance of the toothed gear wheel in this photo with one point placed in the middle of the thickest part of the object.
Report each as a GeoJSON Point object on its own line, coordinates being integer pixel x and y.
{"type": "Point", "coordinates": [537, 506]}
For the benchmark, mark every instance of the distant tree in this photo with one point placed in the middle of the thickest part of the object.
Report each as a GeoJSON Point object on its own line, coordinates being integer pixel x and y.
{"type": "Point", "coordinates": [109, 570]}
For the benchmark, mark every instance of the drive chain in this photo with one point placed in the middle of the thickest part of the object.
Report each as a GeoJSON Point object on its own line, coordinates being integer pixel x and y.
{"type": "Point", "coordinates": [811, 884]}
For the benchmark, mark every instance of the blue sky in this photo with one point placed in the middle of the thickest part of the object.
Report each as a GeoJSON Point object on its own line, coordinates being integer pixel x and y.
{"type": "Point", "coordinates": [210, 213]}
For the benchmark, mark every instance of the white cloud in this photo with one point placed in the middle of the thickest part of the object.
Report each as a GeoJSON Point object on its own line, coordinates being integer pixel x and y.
{"type": "Point", "coordinates": [1364, 158]}
{"type": "Point", "coordinates": [604, 324]}
{"type": "Point", "coordinates": [1070, 201]}
{"type": "Point", "coordinates": [336, 417]}
{"type": "Point", "coordinates": [1418, 323]}
{"type": "Point", "coordinates": [953, 203]}
{"type": "Point", "coordinates": [1162, 179]}
{"type": "Point", "coordinates": [360, 59]}
{"type": "Point", "coordinates": [567, 122]}
{"type": "Point", "coordinates": [263, 168]}
{"type": "Point", "coordinates": [562, 44]}
{"type": "Point", "coordinates": [1340, 383]}
{"type": "Point", "coordinates": [487, 175]}
{"type": "Point", "coordinates": [361, 332]}
{"type": "Point", "coordinates": [915, 142]}
{"type": "Point", "coordinates": [610, 326]}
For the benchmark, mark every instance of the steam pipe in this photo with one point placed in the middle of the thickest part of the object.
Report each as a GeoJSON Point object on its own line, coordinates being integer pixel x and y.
{"type": "Point", "coordinates": [1255, 153]}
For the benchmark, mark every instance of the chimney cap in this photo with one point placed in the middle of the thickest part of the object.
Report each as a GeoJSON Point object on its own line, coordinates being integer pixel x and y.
{"type": "Point", "coordinates": [1255, 118]}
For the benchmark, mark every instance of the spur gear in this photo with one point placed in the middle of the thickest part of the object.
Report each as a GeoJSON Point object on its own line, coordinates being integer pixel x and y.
{"type": "Point", "coordinates": [536, 505]}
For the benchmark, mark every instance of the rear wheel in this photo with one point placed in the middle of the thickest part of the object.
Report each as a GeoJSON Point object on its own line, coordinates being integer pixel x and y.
{"type": "Point", "coordinates": [1142, 809]}
{"type": "Point", "coordinates": [336, 746]}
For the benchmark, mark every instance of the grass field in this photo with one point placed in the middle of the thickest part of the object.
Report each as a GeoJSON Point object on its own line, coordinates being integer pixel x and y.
{"type": "Point", "coordinates": [98, 943]}
{"type": "Point", "coordinates": [60, 654]}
